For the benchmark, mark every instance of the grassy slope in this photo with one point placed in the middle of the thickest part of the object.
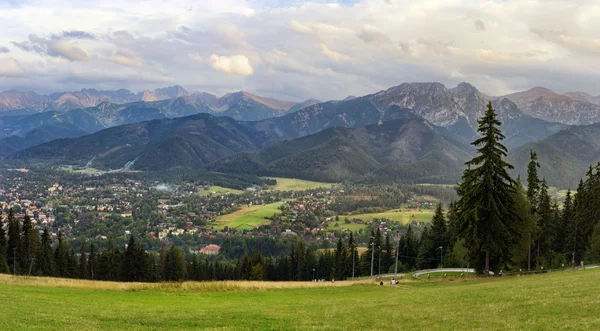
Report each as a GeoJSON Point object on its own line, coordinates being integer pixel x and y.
{"type": "Point", "coordinates": [292, 184]}
{"type": "Point", "coordinates": [405, 216]}
{"type": "Point", "coordinates": [248, 217]}
{"type": "Point", "coordinates": [544, 302]}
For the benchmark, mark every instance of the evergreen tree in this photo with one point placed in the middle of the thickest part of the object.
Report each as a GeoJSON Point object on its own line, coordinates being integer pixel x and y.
{"type": "Point", "coordinates": [339, 271]}
{"type": "Point", "coordinates": [574, 242]}
{"type": "Point", "coordinates": [45, 260]}
{"type": "Point", "coordinates": [593, 253]}
{"type": "Point", "coordinates": [353, 256]}
{"type": "Point", "coordinates": [533, 181]}
{"type": "Point", "coordinates": [29, 242]}
{"type": "Point", "coordinates": [528, 228]}
{"type": "Point", "coordinates": [427, 257]}
{"type": "Point", "coordinates": [61, 257]}
{"type": "Point", "coordinates": [388, 257]}
{"type": "Point", "coordinates": [562, 226]}
{"type": "Point", "coordinates": [174, 269]}
{"type": "Point", "coordinates": [83, 262]}
{"type": "Point", "coordinates": [545, 239]}
{"type": "Point", "coordinates": [439, 233]}
{"type": "Point", "coordinates": [14, 240]}
{"type": "Point", "coordinates": [109, 262]}
{"type": "Point", "coordinates": [93, 262]}
{"type": "Point", "coordinates": [487, 208]}
{"type": "Point", "coordinates": [4, 269]}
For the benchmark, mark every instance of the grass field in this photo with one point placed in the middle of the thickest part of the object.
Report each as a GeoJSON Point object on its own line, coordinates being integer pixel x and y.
{"type": "Point", "coordinates": [401, 215]}
{"type": "Point", "coordinates": [292, 184]}
{"type": "Point", "coordinates": [248, 218]}
{"type": "Point", "coordinates": [555, 301]}
{"type": "Point", "coordinates": [218, 190]}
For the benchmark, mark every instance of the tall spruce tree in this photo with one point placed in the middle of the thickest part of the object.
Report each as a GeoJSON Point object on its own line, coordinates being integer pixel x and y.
{"type": "Point", "coordinates": [545, 239]}
{"type": "Point", "coordinates": [45, 260]}
{"type": "Point", "coordinates": [439, 233]}
{"type": "Point", "coordinates": [353, 256]}
{"type": "Point", "coordinates": [14, 240]}
{"type": "Point", "coordinates": [533, 192]}
{"type": "Point", "coordinates": [83, 261]}
{"type": "Point", "coordinates": [487, 207]}
{"type": "Point", "coordinates": [3, 248]}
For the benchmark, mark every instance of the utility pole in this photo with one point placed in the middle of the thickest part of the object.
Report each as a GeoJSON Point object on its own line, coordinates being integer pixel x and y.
{"type": "Point", "coordinates": [353, 249]}
{"type": "Point", "coordinates": [441, 256]}
{"type": "Point", "coordinates": [372, 255]}
{"type": "Point", "coordinates": [396, 268]}
{"type": "Point", "coordinates": [379, 263]}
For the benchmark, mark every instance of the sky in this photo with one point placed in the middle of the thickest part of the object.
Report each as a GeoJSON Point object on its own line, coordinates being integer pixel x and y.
{"type": "Point", "coordinates": [296, 50]}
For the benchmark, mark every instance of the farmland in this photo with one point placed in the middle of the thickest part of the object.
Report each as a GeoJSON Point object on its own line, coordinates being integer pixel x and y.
{"type": "Point", "coordinates": [559, 300]}
{"type": "Point", "coordinates": [249, 217]}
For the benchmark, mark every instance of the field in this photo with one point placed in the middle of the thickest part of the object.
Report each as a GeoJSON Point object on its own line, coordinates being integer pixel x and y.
{"type": "Point", "coordinates": [292, 184]}
{"type": "Point", "coordinates": [248, 218]}
{"type": "Point", "coordinates": [555, 301]}
{"type": "Point", "coordinates": [401, 215]}
{"type": "Point", "coordinates": [217, 190]}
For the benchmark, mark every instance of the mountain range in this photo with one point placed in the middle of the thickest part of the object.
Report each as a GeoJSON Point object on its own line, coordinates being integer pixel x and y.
{"type": "Point", "coordinates": [410, 132]}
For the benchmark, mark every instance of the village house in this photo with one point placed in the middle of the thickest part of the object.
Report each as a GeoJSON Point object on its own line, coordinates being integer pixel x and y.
{"type": "Point", "coordinates": [211, 249]}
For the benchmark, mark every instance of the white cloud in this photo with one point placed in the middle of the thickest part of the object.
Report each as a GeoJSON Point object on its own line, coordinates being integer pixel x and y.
{"type": "Point", "coordinates": [9, 67]}
{"type": "Point", "coordinates": [235, 64]}
{"type": "Point", "coordinates": [335, 56]}
{"type": "Point", "coordinates": [300, 28]}
{"type": "Point", "coordinates": [126, 58]}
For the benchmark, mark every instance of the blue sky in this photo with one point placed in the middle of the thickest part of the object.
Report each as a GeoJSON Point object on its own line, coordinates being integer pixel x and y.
{"type": "Point", "coordinates": [299, 49]}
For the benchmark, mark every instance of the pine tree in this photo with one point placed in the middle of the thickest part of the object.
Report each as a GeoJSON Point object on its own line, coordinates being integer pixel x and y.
{"type": "Point", "coordinates": [487, 207]}
{"type": "Point", "coordinates": [528, 228]}
{"type": "Point", "coordinates": [574, 241]}
{"type": "Point", "coordinates": [175, 265]}
{"type": "Point", "coordinates": [83, 261]}
{"type": "Point", "coordinates": [46, 266]}
{"type": "Point", "coordinates": [339, 271]}
{"type": "Point", "coordinates": [546, 235]}
{"type": "Point", "coordinates": [533, 181]}
{"type": "Point", "coordinates": [353, 256]}
{"type": "Point", "coordinates": [29, 243]}
{"type": "Point", "coordinates": [61, 257]}
{"type": "Point", "coordinates": [593, 253]}
{"type": "Point", "coordinates": [14, 240]}
{"type": "Point", "coordinates": [439, 232]}
{"type": "Point", "coordinates": [4, 269]}
{"type": "Point", "coordinates": [93, 262]}
{"type": "Point", "coordinates": [562, 226]}
{"type": "Point", "coordinates": [388, 257]}
{"type": "Point", "coordinates": [427, 258]}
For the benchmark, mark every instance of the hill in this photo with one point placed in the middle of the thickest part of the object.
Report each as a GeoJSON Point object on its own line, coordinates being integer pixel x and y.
{"type": "Point", "coordinates": [399, 149]}
{"type": "Point", "coordinates": [553, 301]}
{"type": "Point", "coordinates": [564, 157]}
{"type": "Point", "coordinates": [189, 142]}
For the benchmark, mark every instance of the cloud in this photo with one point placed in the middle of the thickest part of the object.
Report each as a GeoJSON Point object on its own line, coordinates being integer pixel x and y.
{"type": "Point", "coordinates": [53, 47]}
{"type": "Point", "coordinates": [479, 25]}
{"type": "Point", "coordinates": [372, 34]}
{"type": "Point", "coordinates": [300, 28]}
{"type": "Point", "coordinates": [126, 58]}
{"type": "Point", "coordinates": [235, 64]}
{"type": "Point", "coordinates": [78, 34]}
{"type": "Point", "coordinates": [9, 67]}
{"type": "Point", "coordinates": [577, 44]}
{"type": "Point", "coordinates": [335, 56]}
{"type": "Point", "coordinates": [4, 49]}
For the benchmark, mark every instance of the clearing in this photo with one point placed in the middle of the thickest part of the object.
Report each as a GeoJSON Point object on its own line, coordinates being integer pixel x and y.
{"type": "Point", "coordinates": [218, 190]}
{"type": "Point", "coordinates": [248, 218]}
{"type": "Point", "coordinates": [293, 184]}
{"type": "Point", "coordinates": [404, 216]}
{"type": "Point", "coordinates": [554, 301]}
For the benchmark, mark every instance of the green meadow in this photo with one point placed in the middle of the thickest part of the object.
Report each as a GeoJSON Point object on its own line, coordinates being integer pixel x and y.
{"type": "Point", "coordinates": [555, 301]}
{"type": "Point", "coordinates": [248, 218]}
